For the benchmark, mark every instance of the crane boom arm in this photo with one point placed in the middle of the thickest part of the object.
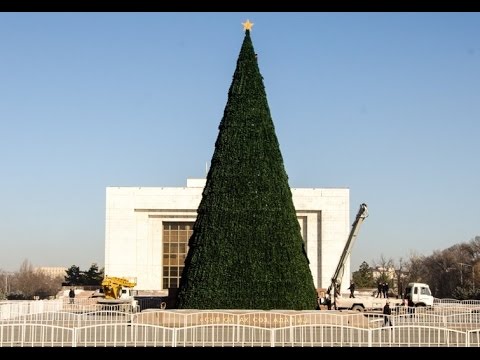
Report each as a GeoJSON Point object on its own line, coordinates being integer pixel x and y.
{"type": "Point", "coordinates": [337, 276]}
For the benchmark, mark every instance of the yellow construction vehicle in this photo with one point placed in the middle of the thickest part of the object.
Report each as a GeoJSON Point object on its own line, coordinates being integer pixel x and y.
{"type": "Point", "coordinates": [112, 286]}
{"type": "Point", "coordinates": [118, 291]}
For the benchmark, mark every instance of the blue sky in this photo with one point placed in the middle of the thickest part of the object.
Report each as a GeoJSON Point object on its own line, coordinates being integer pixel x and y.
{"type": "Point", "coordinates": [385, 104]}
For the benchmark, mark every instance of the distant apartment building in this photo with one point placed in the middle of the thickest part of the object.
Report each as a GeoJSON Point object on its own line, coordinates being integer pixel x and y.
{"type": "Point", "coordinates": [53, 272]}
{"type": "Point", "coordinates": [147, 231]}
{"type": "Point", "coordinates": [387, 272]}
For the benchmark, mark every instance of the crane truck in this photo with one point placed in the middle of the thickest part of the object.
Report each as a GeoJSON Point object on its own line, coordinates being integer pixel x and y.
{"type": "Point", "coordinates": [418, 293]}
{"type": "Point", "coordinates": [336, 281]}
{"type": "Point", "coordinates": [118, 293]}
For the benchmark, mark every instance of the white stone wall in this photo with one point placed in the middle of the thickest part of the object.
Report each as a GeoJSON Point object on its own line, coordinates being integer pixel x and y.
{"type": "Point", "coordinates": [134, 216]}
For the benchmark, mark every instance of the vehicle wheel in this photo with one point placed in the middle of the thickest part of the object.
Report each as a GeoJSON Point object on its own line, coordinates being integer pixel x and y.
{"type": "Point", "coordinates": [357, 308]}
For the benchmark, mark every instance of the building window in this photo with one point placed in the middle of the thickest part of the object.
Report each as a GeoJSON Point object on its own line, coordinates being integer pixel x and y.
{"type": "Point", "coordinates": [175, 248]}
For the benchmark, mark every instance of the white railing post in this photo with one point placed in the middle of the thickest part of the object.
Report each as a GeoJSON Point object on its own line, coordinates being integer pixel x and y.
{"type": "Point", "coordinates": [74, 337]}
{"type": "Point", "coordinates": [290, 331]}
{"type": "Point", "coordinates": [174, 337]}
{"type": "Point", "coordinates": [132, 324]}
{"type": "Point", "coordinates": [24, 329]}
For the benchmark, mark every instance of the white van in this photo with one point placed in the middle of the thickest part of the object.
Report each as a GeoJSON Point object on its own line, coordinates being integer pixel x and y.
{"type": "Point", "coordinates": [419, 294]}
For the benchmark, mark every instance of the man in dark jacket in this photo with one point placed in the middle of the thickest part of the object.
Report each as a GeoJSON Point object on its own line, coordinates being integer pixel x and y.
{"type": "Point", "coordinates": [352, 289]}
{"type": "Point", "coordinates": [71, 295]}
{"type": "Point", "coordinates": [386, 314]}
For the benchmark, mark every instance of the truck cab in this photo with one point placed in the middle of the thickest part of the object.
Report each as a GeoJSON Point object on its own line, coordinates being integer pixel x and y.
{"type": "Point", "coordinates": [419, 294]}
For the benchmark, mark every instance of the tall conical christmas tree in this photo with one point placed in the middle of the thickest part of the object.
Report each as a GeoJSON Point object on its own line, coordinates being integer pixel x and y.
{"type": "Point", "coordinates": [246, 250]}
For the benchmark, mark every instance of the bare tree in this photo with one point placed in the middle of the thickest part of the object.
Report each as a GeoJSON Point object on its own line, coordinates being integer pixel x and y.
{"type": "Point", "coordinates": [441, 272]}
{"type": "Point", "coordinates": [415, 268]}
{"type": "Point", "coordinates": [452, 272]}
{"type": "Point", "coordinates": [3, 284]}
{"type": "Point", "coordinates": [475, 245]}
{"type": "Point", "coordinates": [445, 270]}
{"type": "Point", "coordinates": [401, 276]}
{"type": "Point", "coordinates": [27, 283]}
{"type": "Point", "coordinates": [384, 267]}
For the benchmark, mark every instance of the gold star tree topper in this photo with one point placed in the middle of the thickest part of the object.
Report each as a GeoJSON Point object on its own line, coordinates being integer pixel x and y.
{"type": "Point", "coordinates": [247, 25]}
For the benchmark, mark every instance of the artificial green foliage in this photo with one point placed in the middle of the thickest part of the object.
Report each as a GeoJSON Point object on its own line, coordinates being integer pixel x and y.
{"type": "Point", "coordinates": [246, 250]}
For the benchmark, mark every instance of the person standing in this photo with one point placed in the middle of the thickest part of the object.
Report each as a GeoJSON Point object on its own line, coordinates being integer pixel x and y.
{"type": "Point", "coordinates": [379, 290]}
{"type": "Point", "coordinates": [71, 295]}
{"type": "Point", "coordinates": [352, 289]}
{"type": "Point", "coordinates": [385, 290]}
{"type": "Point", "coordinates": [411, 306]}
{"type": "Point", "coordinates": [387, 312]}
{"type": "Point", "coordinates": [328, 301]}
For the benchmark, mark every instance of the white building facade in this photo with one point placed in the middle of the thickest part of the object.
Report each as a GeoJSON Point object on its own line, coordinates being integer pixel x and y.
{"type": "Point", "coordinates": [52, 271]}
{"type": "Point", "coordinates": [147, 231]}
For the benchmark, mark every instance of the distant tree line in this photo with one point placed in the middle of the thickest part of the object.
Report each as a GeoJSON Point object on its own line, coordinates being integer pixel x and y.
{"type": "Point", "coordinates": [451, 273]}
{"type": "Point", "coordinates": [75, 277]}
{"type": "Point", "coordinates": [28, 284]}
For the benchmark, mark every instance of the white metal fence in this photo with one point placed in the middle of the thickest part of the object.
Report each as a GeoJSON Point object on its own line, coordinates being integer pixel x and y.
{"type": "Point", "coordinates": [455, 302]}
{"type": "Point", "coordinates": [48, 325]}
